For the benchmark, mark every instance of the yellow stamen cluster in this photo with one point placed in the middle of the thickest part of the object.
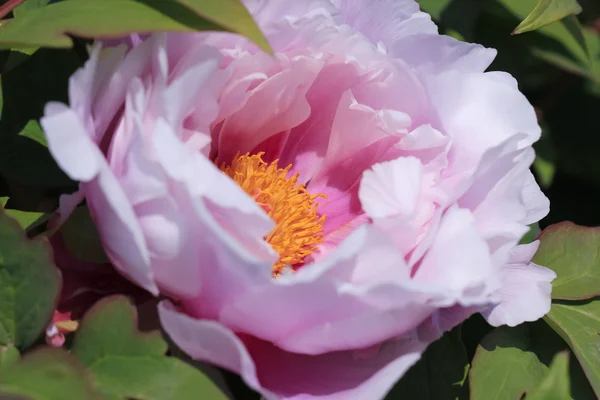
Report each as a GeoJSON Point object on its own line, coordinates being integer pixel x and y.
{"type": "Point", "coordinates": [298, 229]}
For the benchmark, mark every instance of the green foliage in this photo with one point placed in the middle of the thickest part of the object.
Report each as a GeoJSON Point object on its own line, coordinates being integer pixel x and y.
{"type": "Point", "coordinates": [26, 219]}
{"type": "Point", "coordinates": [510, 362]}
{"type": "Point", "coordinates": [33, 131]}
{"type": "Point", "coordinates": [555, 385]}
{"type": "Point", "coordinates": [49, 26]}
{"type": "Point", "coordinates": [572, 252]}
{"type": "Point", "coordinates": [579, 326]}
{"type": "Point", "coordinates": [506, 365]}
{"type": "Point", "coordinates": [125, 363]}
{"type": "Point", "coordinates": [440, 373]}
{"type": "Point", "coordinates": [8, 356]}
{"type": "Point", "coordinates": [30, 285]}
{"type": "Point", "coordinates": [547, 12]}
{"type": "Point", "coordinates": [47, 374]}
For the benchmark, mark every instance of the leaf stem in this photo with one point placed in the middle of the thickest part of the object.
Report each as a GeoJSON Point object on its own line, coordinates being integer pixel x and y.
{"type": "Point", "coordinates": [9, 6]}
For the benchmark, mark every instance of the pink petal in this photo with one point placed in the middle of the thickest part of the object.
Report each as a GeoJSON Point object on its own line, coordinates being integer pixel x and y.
{"type": "Point", "coordinates": [469, 104]}
{"type": "Point", "coordinates": [285, 92]}
{"type": "Point", "coordinates": [385, 20]}
{"type": "Point", "coordinates": [458, 271]}
{"type": "Point", "coordinates": [433, 54]}
{"type": "Point", "coordinates": [278, 374]}
{"type": "Point", "coordinates": [316, 313]}
{"type": "Point", "coordinates": [534, 199]}
{"type": "Point", "coordinates": [307, 144]}
{"type": "Point", "coordinates": [68, 140]}
{"type": "Point", "coordinates": [391, 188]}
{"type": "Point", "coordinates": [526, 288]}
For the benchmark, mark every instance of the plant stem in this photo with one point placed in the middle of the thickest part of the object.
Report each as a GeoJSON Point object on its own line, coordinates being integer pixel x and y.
{"type": "Point", "coordinates": [9, 6]}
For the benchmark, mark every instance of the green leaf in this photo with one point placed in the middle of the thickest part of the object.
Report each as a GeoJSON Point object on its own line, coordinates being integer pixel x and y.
{"type": "Point", "coordinates": [128, 364]}
{"type": "Point", "coordinates": [49, 26]}
{"type": "Point", "coordinates": [572, 252]}
{"type": "Point", "coordinates": [434, 7]}
{"type": "Point", "coordinates": [579, 326]}
{"type": "Point", "coordinates": [29, 5]}
{"type": "Point", "coordinates": [547, 12]}
{"type": "Point", "coordinates": [46, 374]}
{"type": "Point", "coordinates": [81, 237]}
{"type": "Point", "coordinates": [534, 231]}
{"type": "Point", "coordinates": [33, 131]}
{"type": "Point", "coordinates": [510, 362]}
{"type": "Point", "coordinates": [569, 47]}
{"type": "Point", "coordinates": [555, 385]}
{"type": "Point", "coordinates": [30, 285]}
{"type": "Point", "coordinates": [8, 356]}
{"type": "Point", "coordinates": [505, 365]}
{"type": "Point", "coordinates": [26, 219]}
{"type": "Point", "coordinates": [440, 373]}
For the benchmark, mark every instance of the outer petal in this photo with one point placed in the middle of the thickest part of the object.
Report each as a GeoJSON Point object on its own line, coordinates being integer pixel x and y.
{"type": "Point", "coordinates": [68, 140]}
{"type": "Point", "coordinates": [434, 54]}
{"type": "Point", "coordinates": [279, 374]}
{"type": "Point", "coordinates": [385, 21]}
{"type": "Point", "coordinates": [79, 157]}
{"type": "Point", "coordinates": [229, 256]}
{"type": "Point", "coordinates": [525, 292]}
{"type": "Point", "coordinates": [480, 111]}
{"type": "Point", "coordinates": [534, 199]}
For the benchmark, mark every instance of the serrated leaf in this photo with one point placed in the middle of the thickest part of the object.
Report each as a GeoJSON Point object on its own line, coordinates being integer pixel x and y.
{"type": "Point", "coordinates": [49, 26]}
{"type": "Point", "coordinates": [128, 364]}
{"type": "Point", "coordinates": [547, 12]}
{"type": "Point", "coordinates": [579, 326]}
{"type": "Point", "coordinates": [30, 285]}
{"type": "Point", "coordinates": [555, 385]}
{"type": "Point", "coordinates": [572, 252]}
{"type": "Point", "coordinates": [81, 237]}
{"type": "Point", "coordinates": [46, 374]}
{"type": "Point", "coordinates": [439, 374]}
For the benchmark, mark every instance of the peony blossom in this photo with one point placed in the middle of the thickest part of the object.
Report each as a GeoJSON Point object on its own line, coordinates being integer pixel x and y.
{"type": "Point", "coordinates": [319, 216]}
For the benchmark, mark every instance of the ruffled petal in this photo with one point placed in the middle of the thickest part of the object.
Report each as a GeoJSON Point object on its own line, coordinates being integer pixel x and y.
{"type": "Point", "coordinates": [526, 288]}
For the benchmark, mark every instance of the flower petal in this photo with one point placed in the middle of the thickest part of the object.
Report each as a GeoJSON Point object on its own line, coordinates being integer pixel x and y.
{"type": "Point", "coordinates": [385, 20]}
{"type": "Point", "coordinates": [391, 188]}
{"type": "Point", "coordinates": [278, 374]}
{"type": "Point", "coordinates": [526, 288]}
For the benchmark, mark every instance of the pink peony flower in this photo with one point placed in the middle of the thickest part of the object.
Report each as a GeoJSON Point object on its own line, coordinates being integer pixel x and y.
{"type": "Point", "coordinates": [318, 216]}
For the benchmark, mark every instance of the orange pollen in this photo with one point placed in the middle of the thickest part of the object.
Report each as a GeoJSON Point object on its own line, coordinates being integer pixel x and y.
{"type": "Point", "coordinates": [298, 229]}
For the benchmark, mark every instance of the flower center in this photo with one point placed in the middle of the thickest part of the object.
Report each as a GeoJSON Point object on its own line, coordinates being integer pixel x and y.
{"type": "Point", "coordinates": [298, 229]}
